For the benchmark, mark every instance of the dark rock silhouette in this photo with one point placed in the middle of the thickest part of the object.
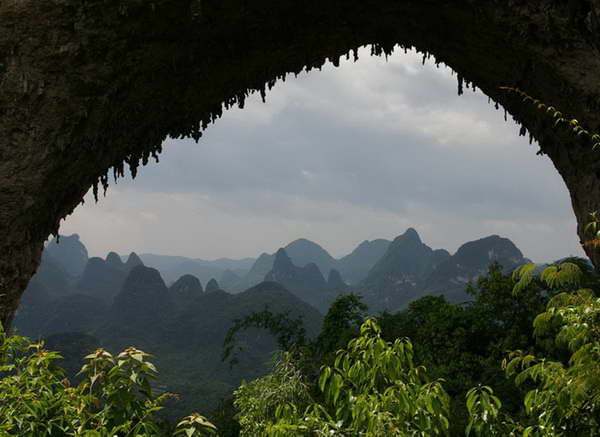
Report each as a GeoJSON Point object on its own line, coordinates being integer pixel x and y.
{"type": "Point", "coordinates": [133, 261]}
{"type": "Point", "coordinates": [303, 252]}
{"type": "Point", "coordinates": [355, 266]}
{"type": "Point", "coordinates": [53, 276]}
{"type": "Point", "coordinates": [69, 253]}
{"type": "Point", "coordinates": [212, 285]}
{"type": "Point", "coordinates": [186, 288]}
{"type": "Point", "coordinates": [293, 277]}
{"type": "Point", "coordinates": [405, 264]}
{"type": "Point", "coordinates": [305, 282]}
{"type": "Point", "coordinates": [101, 280]}
{"type": "Point", "coordinates": [114, 260]}
{"type": "Point", "coordinates": [469, 262]}
{"type": "Point", "coordinates": [139, 309]}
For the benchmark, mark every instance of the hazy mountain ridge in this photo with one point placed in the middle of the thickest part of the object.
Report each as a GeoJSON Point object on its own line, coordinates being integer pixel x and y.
{"type": "Point", "coordinates": [410, 269]}
{"type": "Point", "coordinates": [114, 304]}
{"type": "Point", "coordinates": [173, 267]}
{"type": "Point", "coordinates": [183, 326]}
{"type": "Point", "coordinates": [306, 282]}
{"type": "Point", "coordinates": [69, 252]}
{"type": "Point", "coordinates": [352, 267]}
{"type": "Point", "coordinates": [387, 274]}
{"type": "Point", "coordinates": [470, 261]}
{"type": "Point", "coordinates": [251, 271]}
{"type": "Point", "coordinates": [355, 266]}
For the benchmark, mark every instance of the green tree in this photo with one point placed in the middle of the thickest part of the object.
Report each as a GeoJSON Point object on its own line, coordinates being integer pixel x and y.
{"type": "Point", "coordinates": [114, 398]}
{"type": "Point", "coordinates": [563, 396]}
{"type": "Point", "coordinates": [257, 401]}
{"type": "Point", "coordinates": [374, 388]}
{"type": "Point", "coordinates": [341, 323]}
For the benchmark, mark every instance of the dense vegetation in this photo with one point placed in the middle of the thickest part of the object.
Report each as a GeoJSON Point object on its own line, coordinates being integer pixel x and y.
{"type": "Point", "coordinates": [115, 397]}
{"type": "Point", "coordinates": [78, 304]}
{"type": "Point", "coordinates": [521, 359]}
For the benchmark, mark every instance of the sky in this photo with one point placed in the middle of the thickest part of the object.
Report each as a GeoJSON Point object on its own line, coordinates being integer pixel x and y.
{"type": "Point", "coordinates": [339, 156]}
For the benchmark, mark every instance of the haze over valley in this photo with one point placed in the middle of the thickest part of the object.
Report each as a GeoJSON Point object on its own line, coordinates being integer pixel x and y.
{"type": "Point", "coordinates": [180, 309]}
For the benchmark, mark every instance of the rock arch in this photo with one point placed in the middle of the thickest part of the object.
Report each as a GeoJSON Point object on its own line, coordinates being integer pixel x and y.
{"type": "Point", "coordinates": [87, 86]}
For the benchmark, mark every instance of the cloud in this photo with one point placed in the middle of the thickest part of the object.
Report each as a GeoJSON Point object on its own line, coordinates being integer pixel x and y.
{"type": "Point", "coordinates": [341, 155]}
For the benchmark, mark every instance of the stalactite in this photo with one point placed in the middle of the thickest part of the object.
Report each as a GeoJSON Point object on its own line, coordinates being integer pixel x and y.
{"type": "Point", "coordinates": [239, 99]}
{"type": "Point", "coordinates": [522, 131]}
{"type": "Point", "coordinates": [95, 190]}
{"type": "Point", "coordinates": [104, 181]}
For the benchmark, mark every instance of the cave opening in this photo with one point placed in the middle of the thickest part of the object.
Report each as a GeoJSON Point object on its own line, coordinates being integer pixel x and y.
{"type": "Point", "coordinates": [373, 134]}
{"type": "Point", "coordinates": [358, 152]}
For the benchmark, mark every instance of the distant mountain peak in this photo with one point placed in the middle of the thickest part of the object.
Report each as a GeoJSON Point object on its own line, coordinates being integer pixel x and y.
{"type": "Point", "coordinates": [490, 248]}
{"type": "Point", "coordinates": [411, 234]}
{"type": "Point", "coordinates": [143, 274]}
{"type": "Point", "coordinates": [470, 261]}
{"type": "Point", "coordinates": [282, 261]}
{"type": "Point", "coordinates": [404, 267]}
{"type": "Point", "coordinates": [133, 261]}
{"type": "Point", "coordinates": [187, 286]}
{"type": "Point", "coordinates": [143, 299]}
{"type": "Point", "coordinates": [212, 285]}
{"type": "Point", "coordinates": [69, 253]}
{"type": "Point", "coordinates": [302, 241]}
{"type": "Point", "coordinates": [306, 282]}
{"type": "Point", "coordinates": [114, 260]}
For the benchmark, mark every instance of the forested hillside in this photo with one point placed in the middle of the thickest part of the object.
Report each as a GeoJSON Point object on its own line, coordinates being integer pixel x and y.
{"type": "Point", "coordinates": [79, 303]}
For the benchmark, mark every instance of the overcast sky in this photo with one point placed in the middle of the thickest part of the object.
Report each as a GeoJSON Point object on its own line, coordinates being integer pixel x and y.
{"type": "Point", "coordinates": [338, 156]}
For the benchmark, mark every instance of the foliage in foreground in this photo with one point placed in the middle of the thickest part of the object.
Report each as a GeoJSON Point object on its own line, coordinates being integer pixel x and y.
{"type": "Point", "coordinates": [373, 387]}
{"type": "Point", "coordinates": [260, 399]}
{"type": "Point", "coordinates": [374, 384]}
{"type": "Point", "coordinates": [563, 396]}
{"type": "Point", "coordinates": [115, 397]}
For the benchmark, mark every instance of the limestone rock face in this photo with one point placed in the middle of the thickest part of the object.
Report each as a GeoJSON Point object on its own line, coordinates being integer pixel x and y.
{"type": "Point", "coordinates": [85, 89]}
{"type": "Point", "coordinates": [303, 252]}
{"type": "Point", "coordinates": [212, 285]}
{"type": "Point", "coordinates": [470, 261]}
{"type": "Point", "coordinates": [293, 277]}
{"type": "Point", "coordinates": [114, 260]}
{"type": "Point", "coordinates": [305, 282]}
{"type": "Point", "coordinates": [133, 261]}
{"type": "Point", "coordinates": [410, 269]}
{"type": "Point", "coordinates": [355, 266]}
{"type": "Point", "coordinates": [143, 299]}
{"type": "Point", "coordinates": [186, 288]}
{"type": "Point", "coordinates": [101, 280]}
{"type": "Point", "coordinates": [406, 261]}
{"type": "Point", "coordinates": [69, 252]}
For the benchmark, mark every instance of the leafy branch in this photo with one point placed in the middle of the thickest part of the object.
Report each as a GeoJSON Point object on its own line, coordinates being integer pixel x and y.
{"type": "Point", "coordinates": [560, 119]}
